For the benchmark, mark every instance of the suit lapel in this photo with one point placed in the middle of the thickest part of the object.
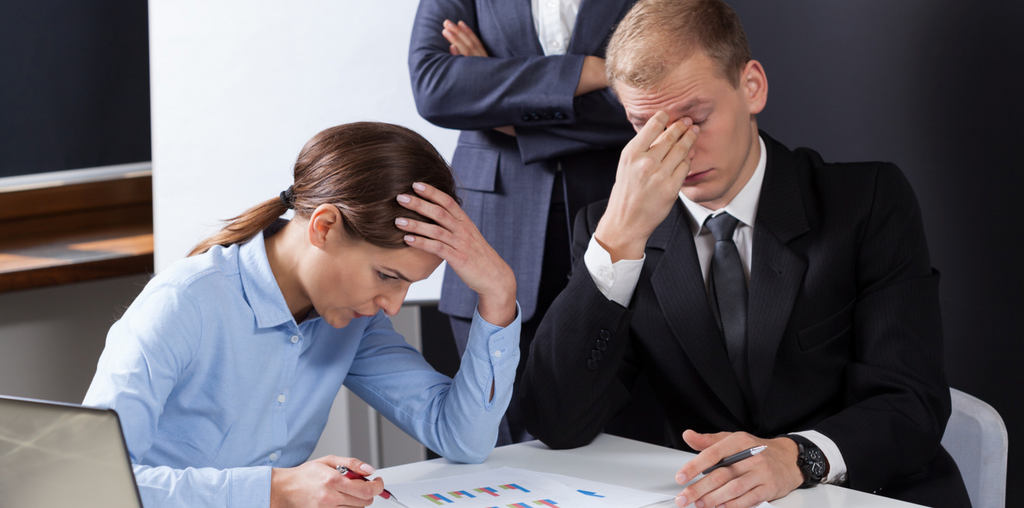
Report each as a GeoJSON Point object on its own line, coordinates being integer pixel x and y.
{"type": "Point", "coordinates": [590, 33]}
{"type": "Point", "coordinates": [516, 25]}
{"type": "Point", "coordinates": [679, 287]}
{"type": "Point", "coordinates": [776, 272]}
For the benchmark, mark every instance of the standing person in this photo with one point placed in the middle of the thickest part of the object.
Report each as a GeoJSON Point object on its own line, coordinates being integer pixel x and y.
{"type": "Point", "coordinates": [541, 134]}
{"type": "Point", "coordinates": [224, 369]}
{"type": "Point", "coordinates": [772, 298]}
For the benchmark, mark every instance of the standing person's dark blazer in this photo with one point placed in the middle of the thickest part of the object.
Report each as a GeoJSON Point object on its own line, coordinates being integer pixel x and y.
{"type": "Point", "coordinates": [521, 191]}
{"type": "Point", "coordinates": [845, 335]}
{"type": "Point", "coordinates": [506, 181]}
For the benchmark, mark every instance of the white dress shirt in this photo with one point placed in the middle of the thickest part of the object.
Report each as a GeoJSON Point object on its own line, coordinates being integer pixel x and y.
{"type": "Point", "coordinates": [617, 281]}
{"type": "Point", "coordinates": [554, 21]}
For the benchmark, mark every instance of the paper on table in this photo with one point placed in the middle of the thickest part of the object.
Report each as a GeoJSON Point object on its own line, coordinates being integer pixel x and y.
{"type": "Point", "coordinates": [518, 488]}
{"type": "Point", "coordinates": [597, 494]}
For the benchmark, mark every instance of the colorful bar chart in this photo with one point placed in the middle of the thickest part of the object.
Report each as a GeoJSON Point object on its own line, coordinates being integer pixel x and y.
{"type": "Point", "coordinates": [512, 486]}
{"type": "Point", "coordinates": [438, 499]}
{"type": "Point", "coordinates": [459, 494]}
{"type": "Point", "coordinates": [540, 502]}
{"type": "Point", "coordinates": [487, 490]}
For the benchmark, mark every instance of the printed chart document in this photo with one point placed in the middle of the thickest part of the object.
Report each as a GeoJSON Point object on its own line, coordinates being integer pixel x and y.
{"type": "Point", "coordinates": [508, 487]}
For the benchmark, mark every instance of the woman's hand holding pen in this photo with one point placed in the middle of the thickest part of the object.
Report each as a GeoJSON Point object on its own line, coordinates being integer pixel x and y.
{"type": "Point", "coordinates": [765, 476]}
{"type": "Point", "coordinates": [318, 484]}
{"type": "Point", "coordinates": [457, 240]}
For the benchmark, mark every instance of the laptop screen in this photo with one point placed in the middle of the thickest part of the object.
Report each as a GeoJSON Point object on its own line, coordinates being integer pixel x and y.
{"type": "Point", "coordinates": [63, 455]}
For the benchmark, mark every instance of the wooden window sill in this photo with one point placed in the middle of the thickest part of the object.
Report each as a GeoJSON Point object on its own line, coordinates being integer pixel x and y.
{"type": "Point", "coordinates": [74, 233]}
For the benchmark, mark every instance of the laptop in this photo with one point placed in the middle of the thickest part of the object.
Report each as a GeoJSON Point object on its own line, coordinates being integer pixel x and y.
{"type": "Point", "coordinates": [63, 455]}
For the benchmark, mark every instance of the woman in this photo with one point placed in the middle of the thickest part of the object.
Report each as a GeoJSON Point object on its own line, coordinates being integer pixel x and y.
{"type": "Point", "coordinates": [224, 369]}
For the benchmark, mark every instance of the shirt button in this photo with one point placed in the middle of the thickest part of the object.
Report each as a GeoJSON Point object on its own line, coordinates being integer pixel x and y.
{"type": "Point", "coordinates": [295, 339]}
{"type": "Point", "coordinates": [281, 398]}
{"type": "Point", "coordinates": [497, 354]}
{"type": "Point", "coordinates": [273, 457]}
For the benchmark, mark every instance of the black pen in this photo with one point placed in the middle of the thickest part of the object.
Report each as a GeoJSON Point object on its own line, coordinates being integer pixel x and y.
{"type": "Point", "coordinates": [732, 459]}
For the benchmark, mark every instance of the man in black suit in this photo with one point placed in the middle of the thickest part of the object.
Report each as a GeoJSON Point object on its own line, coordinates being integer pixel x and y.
{"type": "Point", "coordinates": [770, 298]}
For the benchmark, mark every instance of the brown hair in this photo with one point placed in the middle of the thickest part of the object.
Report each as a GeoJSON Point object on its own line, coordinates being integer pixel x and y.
{"type": "Point", "coordinates": [657, 35]}
{"type": "Point", "coordinates": [360, 168]}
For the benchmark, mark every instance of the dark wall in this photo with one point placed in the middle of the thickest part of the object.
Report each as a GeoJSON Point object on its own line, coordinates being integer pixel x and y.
{"type": "Point", "coordinates": [74, 84]}
{"type": "Point", "coordinates": [934, 86]}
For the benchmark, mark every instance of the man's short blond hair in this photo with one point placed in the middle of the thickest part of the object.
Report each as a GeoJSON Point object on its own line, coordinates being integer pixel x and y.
{"type": "Point", "coordinates": [657, 35]}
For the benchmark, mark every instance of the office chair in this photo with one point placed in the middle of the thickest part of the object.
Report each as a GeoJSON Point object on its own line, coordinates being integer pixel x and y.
{"type": "Point", "coordinates": [976, 438]}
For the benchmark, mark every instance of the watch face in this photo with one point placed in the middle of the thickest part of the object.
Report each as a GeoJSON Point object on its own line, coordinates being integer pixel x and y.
{"type": "Point", "coordinates": [817, 462]}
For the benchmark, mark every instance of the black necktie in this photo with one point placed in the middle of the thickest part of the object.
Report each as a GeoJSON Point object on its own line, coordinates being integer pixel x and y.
{"type": "Point", "coordinates": [727, 291]}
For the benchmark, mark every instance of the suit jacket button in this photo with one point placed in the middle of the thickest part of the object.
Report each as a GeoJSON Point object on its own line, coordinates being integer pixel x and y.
{"type": "Point", "coordinates": [559, 115]}
{"type": "Point", "coordinates": [526, 117]}
{"type": "Point", "coordinates": [592, 364]}
{"type": "Point", "coordinates": [602, 345]}
{"type": "Point", "coordinates": [535, 116]}
{"type": "Point", "coordinates": [595, 354]}
{"type": "Point", "coordinates": [605, 334]}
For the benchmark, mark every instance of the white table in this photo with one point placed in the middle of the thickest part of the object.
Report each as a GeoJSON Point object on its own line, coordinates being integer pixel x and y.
{"type": "Point", "coordinates": [619, 461]}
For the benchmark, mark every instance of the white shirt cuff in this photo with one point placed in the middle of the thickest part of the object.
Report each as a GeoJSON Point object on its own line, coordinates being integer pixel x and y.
{"type": "Point", "coordinates": [617, 281]}
{"type": "Point", "coordinates": [836, 464]}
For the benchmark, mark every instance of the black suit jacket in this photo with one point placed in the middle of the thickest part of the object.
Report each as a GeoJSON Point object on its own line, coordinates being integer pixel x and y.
{"type": "Point", "coordinates": [844, 331]}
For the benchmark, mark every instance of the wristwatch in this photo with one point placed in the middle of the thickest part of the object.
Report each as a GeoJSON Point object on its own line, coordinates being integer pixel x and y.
{"type": "Point", "coordinates": [810, 460]}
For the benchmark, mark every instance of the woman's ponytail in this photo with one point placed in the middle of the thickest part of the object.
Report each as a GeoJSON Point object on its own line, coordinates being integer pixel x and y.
{"type": "Point", "coordinates": [242, 228]}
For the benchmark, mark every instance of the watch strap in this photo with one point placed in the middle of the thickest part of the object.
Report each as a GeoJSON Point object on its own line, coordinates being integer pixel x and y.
{"type": "Point", "coordinates": [809, 456]}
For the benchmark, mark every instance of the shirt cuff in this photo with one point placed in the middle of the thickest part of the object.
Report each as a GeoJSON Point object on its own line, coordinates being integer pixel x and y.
{"type": "Point", "coordinates": [616, 281]}
{"type": "Point", "coordinates": [494, 342]}
{"type": "Point", "coordinates": [836, 464]}
{"type": "Point", "coordinates": [250, 486]}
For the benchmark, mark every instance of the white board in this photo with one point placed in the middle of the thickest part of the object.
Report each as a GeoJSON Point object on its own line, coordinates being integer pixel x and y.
{"type": "Point", "coordinates": [239, 86]}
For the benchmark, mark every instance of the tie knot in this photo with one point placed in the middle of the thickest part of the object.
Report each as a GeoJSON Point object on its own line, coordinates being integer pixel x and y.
{"type": "Point", "coordinates": [722, 226]}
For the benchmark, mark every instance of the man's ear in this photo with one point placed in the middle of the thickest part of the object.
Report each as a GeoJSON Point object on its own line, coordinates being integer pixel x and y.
{"type": "Point", "coordinates": [325, 218]}
{"type": "Point", "coordinates": [755, 86]}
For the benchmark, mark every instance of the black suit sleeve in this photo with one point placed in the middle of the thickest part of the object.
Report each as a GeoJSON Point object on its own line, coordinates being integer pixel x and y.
{"type": "Point", "coordinates": [897, 398]}
{"type": "Point", "coordinates": [568, 391]}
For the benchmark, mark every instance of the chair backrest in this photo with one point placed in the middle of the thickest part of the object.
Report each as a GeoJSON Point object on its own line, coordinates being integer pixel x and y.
{"type": "Point", "coordinates": [976, 438]}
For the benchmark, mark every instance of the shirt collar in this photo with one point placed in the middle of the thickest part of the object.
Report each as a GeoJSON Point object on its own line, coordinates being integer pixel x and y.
{"type": "Point", "coordinates": [743, 206]}
{"type": "Point", "coordinates": [260, 286]}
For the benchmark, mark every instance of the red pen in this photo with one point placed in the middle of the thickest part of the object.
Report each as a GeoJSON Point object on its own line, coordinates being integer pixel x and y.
{"type": "Point", "coordinates": [356, 476]}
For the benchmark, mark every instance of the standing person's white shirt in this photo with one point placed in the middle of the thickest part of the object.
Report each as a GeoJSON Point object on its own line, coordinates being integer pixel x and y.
{"type": "Point", "coordinates": [554, 21]}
